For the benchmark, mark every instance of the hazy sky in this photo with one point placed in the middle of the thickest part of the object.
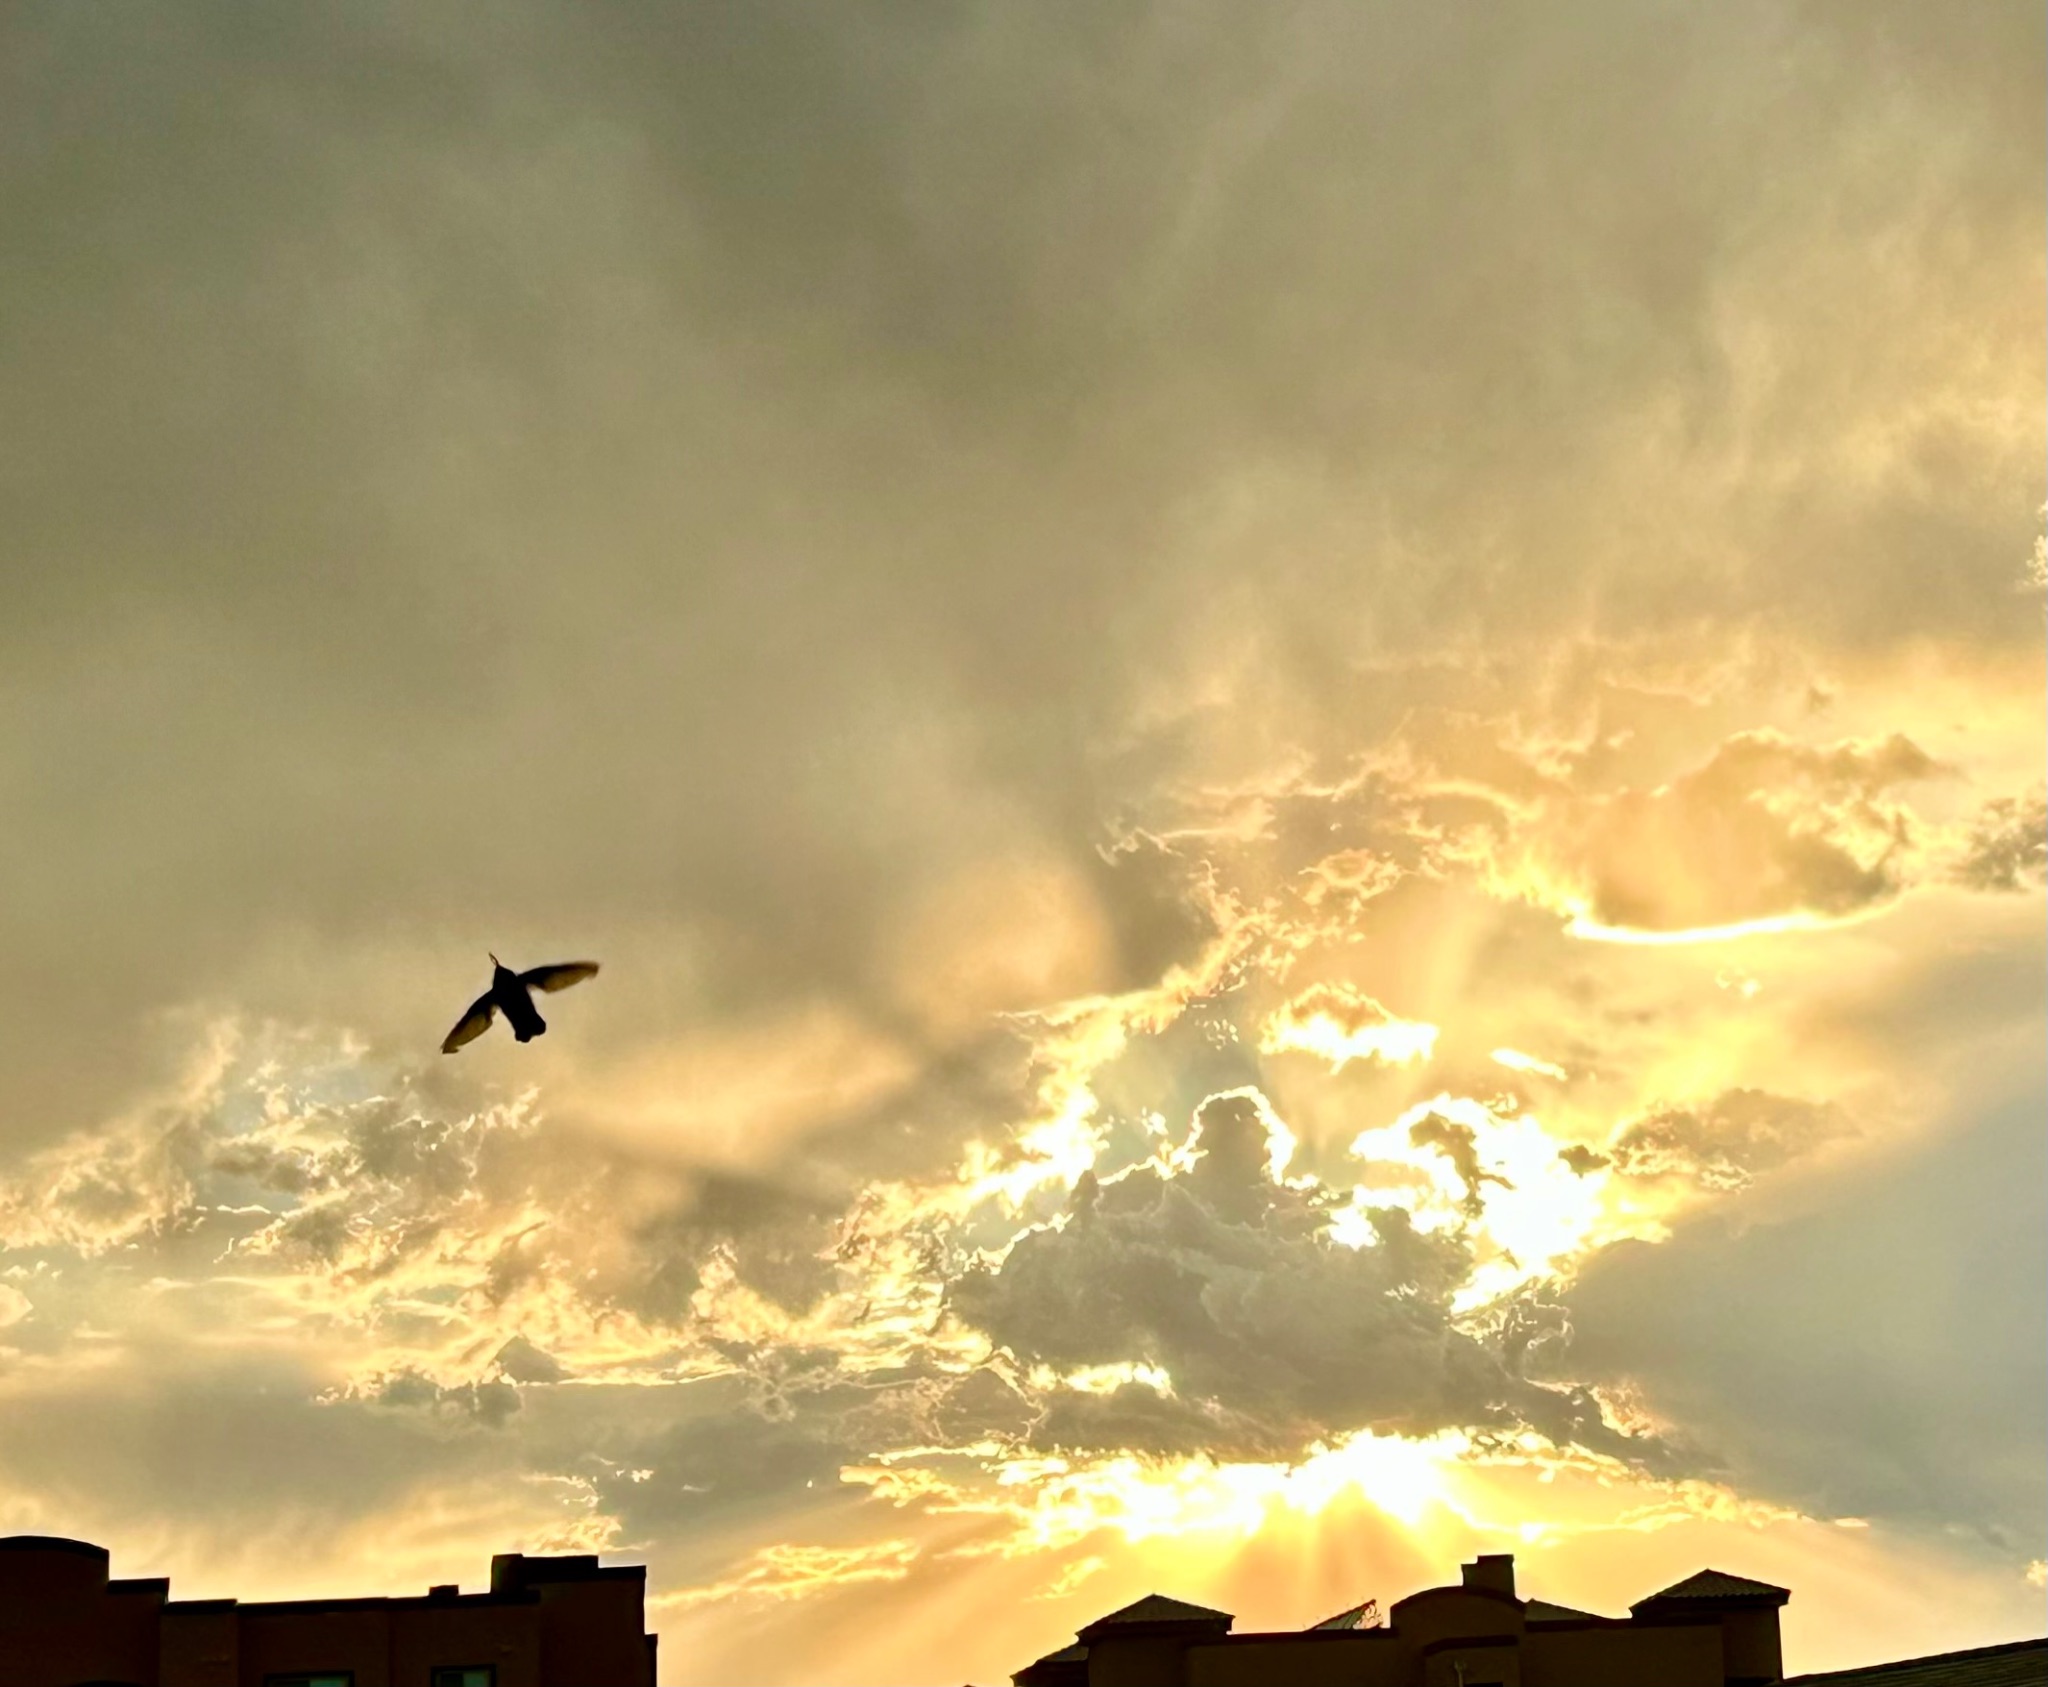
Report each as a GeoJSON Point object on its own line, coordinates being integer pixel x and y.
{"type": "Point", "coordinates": [1305, 740]}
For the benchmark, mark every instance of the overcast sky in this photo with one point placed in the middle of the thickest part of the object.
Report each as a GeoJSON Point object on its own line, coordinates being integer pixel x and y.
{"type": "Point", "coordinates": [1305, 740]}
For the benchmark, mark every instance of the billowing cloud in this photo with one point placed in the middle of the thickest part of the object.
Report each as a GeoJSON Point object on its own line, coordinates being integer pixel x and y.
{"type": "Point", "coordinates": [1229, 1282]}
{"type": "Point", "coordinates": [1893, 1338]}
{"type": "Point", "coordinates": [2008, 845]}
{"type": "Point", "coordinates": [1251, 704]}
{"type": "Point", "coordinates": [1726, 1142]}
{"type": "Point", "coordinates": [1766, 827]}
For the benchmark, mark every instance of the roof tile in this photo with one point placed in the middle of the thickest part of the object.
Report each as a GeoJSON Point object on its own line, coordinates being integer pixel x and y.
{"type": "Point", "coordinates": [1713, 1584]}
{"type": "Point", "coordinates": [2021, 1663]}
{"type": "Point", "coordinates": [1157, 1608]}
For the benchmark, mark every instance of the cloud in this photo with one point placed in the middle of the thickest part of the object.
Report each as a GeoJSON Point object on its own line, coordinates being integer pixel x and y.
{"type": "Point", "coordinates": [387, 1218]}
{"type": "Point", "coordinates": [489, 1403]}
{"type": "Point", "coordinates": [1459, 1144]}
{"type": "Point", "coordinates": [1516, 1061]}
{"type": "Point", "coordinates": [1230, 1283]}
{"type": "Point", "coordinates": [1875, 1358]}
{"type": "Point", "coordinates": [520, 1361]}
{"type": "Point", "coordinates": [1009, 571]}
{"type": "Point", "coordinates": [728, 1465]}
{"type": "Point", "coordinates": [1767, 827]}
{"type": "Point", "coordinates": [1725, 1143]}
{"type": "Point", "coordinates": [873, 505]}
{"type": "Point", "coordinates": [796, 1572]}
{"type": "Point", "coordinates": [2008, 845]}
{"type": "Point", "coordinates": [256, 1450]}
{"type": "Point", "coordinates": [1342, 1025]}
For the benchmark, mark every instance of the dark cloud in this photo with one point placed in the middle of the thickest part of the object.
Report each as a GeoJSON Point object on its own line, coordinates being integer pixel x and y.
{"type": "Point", "coordinates": [688, 480]}
{"type": "Point", "coordinates": [714, 1471]}
{"type": "Point", "coordinates": [1458, 1144]}
{"type": "Point", "coordinates": [987, 1401]}
{"type": "Point", "coordinates": [1879, 1359]}
{"type": "Point", "coordinates": [1134, 1417]}
{"type": "Point", "coordinates": [780, 1242]}
{"type": "Point", "coordinates": [489, 1402]}
{"type": "Point", "coordinates": [520, 1361]}
{"type": "Point", "coordinates": [2008, 845]}
{"type": "Point", "coordinates": [1229, 1282]}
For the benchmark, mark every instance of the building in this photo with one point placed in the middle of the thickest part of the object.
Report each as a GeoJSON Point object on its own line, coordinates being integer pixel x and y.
{"type": "Point", "coordinates": [546, 1622]}
{"type": "Point", "coordinates": [1710, 1630]}
{"type": "Point", "coordinates": [2020, 1663]}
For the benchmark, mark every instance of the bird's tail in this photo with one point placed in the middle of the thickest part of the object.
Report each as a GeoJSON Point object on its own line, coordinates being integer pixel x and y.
{"type": "Point", "coordinates": [526, 1033]}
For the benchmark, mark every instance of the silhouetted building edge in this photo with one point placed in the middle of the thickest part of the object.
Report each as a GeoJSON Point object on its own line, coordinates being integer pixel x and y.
{"type": "Point", "coordinates": [2017, 1663]}
{"type": "Point", "coordinates": [543, 1622]}
{"type": "Point", "coordinates": [1710, 1630]}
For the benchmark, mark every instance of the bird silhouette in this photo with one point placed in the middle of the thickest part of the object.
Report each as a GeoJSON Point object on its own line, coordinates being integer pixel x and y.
{"type": "Point", "coordinates": [510, 993]}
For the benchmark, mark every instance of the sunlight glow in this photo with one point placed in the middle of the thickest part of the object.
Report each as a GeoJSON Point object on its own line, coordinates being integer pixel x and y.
{"type": "Point", "coordinates": [1142, 1499]}
{"type": "Point", "coordinates": [1516, 1061]}
{"type": "Point", "coordinates": [1454, 1161]}
{"type": "Point", "coordinates": [1443, 1490]}
{"type": "Point", "coordinates": [1054, 1151]}
{"type": "Point", "coordinates": [789, 1571]}
{"type": "Point", "coordinates": [1105, 1379]}
{"type": "Point", "coordinates": [1341, 1025]}
{"type": "Point", "coordinates": [1590, 930]}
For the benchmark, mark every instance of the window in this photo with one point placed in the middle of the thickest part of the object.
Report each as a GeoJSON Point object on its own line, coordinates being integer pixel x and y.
{"type": "Point", "coordinates": [461, 1675]}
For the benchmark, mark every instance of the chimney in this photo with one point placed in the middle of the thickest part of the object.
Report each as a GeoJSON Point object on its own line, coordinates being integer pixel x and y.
{"type": "Point", "coordinates": [1492, 1571]}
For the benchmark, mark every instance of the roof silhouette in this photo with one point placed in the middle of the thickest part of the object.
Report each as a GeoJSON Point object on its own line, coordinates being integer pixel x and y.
{"type": "Point", "coordinates": [1157, 1608]}
{"type": "Point", "coordinates": [1714, 1584]}
{"type": "Point", "coordinates": [1074, 1654]}
{"type": "Point", "coordinates": [1543, 1611]}
{"type": "Point", "coordinates": [1144, 1639]}
{"type": "Point", "coordinates": [63, 1618]}
{"type": "Point", "coordinates": [1348, 1619]}
{"type": "Point", "coordinates": [2019, 1663]}
{"type": "Point", "coordinates": [50, 1543]}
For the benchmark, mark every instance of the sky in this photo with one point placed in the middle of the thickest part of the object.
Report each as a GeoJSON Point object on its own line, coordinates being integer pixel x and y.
{"type": "Point", "coordinates": [1305, 742]}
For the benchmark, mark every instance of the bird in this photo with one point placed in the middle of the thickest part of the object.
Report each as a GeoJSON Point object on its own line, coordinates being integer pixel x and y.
{"type": "Point", "coordinates": [509, 992]}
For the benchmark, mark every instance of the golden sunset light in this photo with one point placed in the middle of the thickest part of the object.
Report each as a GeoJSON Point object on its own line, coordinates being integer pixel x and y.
{"type": "Point", "coordinates": [1290, 758]}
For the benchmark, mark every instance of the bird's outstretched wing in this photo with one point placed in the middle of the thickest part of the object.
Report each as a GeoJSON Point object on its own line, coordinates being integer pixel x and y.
{"type": "Point", "coordinates": [559, 976]}
{"type": "Point", "coordinates": [471, 1025]}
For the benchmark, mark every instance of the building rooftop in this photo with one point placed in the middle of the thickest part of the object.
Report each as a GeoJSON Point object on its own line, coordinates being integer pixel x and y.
{"type": "Point", "coordinates": [63, 1619]}
{"type": "Point", "coordinates": [1074, 1654]}
{"type": "Point", "coordinates": [1156, 1608]}
{"type": "Point", "coordinates": [1706, 1585]}
{"type": "Point", "coordinates": [1354, 1618]}
{"type": "Point", "coordinates": [2019, 1663]}
{"type": "Point", "coordinates": [50, 1543]}
{"type": "Point", "coordinates": [1709, 1630]}
{"type": "Point", "coordinates": [1542, 1611]}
